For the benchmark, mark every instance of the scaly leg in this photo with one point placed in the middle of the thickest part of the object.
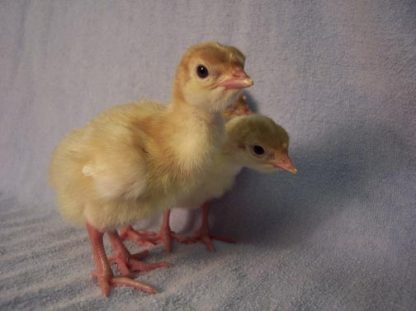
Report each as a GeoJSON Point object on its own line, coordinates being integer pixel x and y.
{"type": "Point", "coordinates": [202, 234]}
{"type": "Point", "coordinates": [142, 238]}
{"type": "Point", "coordinates": [165, 235]}
{"type": "Point", "coordinates": [126, 262]}
{"type": "Point", "coordinates": [105, 277]}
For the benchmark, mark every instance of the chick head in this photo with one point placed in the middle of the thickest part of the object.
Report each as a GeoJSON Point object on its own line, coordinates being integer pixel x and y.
{"type": "Point", "coordinates": [211, 76]}
{"type": "Point", "coordinates": [259, 143]}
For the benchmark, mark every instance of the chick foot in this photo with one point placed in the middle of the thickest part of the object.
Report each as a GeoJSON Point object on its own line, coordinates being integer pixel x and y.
{"type": "Point", "coordinates": [142, 238]}
{"type": "Point", "coordinates": [165, 236]}
{"type": "Point", "coordinates": [106, 282]}
{"type": "Point", "coordinates": [203, 235]}
{"type": "Point", "coordinates": [105, 277]}
{"type": "Point", "coordinates": [207, 239]}
{"type": "Point", "coordinates": [128, 263]}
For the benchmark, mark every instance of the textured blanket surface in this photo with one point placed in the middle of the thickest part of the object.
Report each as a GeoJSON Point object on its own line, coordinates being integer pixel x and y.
{"type": "Point", "coordinates": [340, 76]}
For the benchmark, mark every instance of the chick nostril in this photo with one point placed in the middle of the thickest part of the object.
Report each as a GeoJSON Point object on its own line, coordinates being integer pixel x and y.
{"type": "Point", "coordinates": [239, 73]}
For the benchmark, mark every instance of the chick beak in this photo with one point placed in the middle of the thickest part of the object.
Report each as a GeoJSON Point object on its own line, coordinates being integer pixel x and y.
{"type": "Point", "coordinates": [237, 80]}
{"type": "Point", "coordinates": [285, 163]}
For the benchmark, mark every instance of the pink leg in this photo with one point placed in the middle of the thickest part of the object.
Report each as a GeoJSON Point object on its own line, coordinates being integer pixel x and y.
{"type": "Point", "coordinates": [106, 279]}
{"type": "Point", "coordinates": [127, 262]}
{"type": "Point", "coordinates": [142, 238]}
{"type": "Point", "coordinates": [202, 235]}
{"type": "Point", "coordinates": [165, 235]}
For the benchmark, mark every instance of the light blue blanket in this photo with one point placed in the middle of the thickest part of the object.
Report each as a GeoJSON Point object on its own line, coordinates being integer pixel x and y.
{"type": "Point", "coordinates": [340, 76]}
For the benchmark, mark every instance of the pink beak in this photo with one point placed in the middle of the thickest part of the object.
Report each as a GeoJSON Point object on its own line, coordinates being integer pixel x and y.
{"type": "Point", "coordinates": [238, 80]}
{"type": "Point", "coordinates": [285, 163]}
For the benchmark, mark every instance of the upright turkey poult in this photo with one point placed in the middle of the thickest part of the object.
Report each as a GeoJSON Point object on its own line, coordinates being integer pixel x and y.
{"type": "Point", "coordinates": [253, 141]}
{"type": "Point", "coordinates": [134, 160]}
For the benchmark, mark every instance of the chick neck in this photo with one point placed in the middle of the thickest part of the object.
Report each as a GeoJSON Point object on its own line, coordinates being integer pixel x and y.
{"type": "Point", "coordinates": [182, 108]}
{"type": "Point", "coordinates": [230, 153]}
{"type": "Point", "coordinates": [198, 135]}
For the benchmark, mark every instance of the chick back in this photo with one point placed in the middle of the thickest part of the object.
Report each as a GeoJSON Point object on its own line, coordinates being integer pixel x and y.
{"type": "Point", "coordinates": [99, 172]}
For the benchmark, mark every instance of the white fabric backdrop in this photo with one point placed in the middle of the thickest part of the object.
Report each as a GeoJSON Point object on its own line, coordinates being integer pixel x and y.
{"type": "Point", "coordinates": [340, 76]}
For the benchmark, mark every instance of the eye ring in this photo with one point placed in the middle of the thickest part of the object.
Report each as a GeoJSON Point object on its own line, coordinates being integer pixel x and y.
{"type": "Point", "coordinates": [202, 71]}
{"type": "Point", "coordinates": [258, 150]}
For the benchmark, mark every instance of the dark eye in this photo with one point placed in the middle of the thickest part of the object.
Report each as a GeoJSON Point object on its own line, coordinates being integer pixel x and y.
{"type": "Point", "coordinates": [202, 71]}
{"type": "Point", "coordinates": [259, 150]}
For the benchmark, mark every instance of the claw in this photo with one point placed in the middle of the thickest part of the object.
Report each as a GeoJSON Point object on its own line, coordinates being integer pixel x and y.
{"type": "Point", "coordinates": [107, 282]}
{"type": "Point", "coordinates": [206, 239]}
{"type": "Point", "coordinates": [124, 281]}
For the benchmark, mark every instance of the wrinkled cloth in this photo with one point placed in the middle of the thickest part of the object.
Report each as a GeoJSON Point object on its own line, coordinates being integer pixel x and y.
{"type": "Point", "coordinates": [340, 76]}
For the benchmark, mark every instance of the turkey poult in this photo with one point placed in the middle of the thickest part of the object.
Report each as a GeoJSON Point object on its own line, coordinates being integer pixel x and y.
{"type": "Point", "coordinates": [253, 141]}
{"type": "Point", "coordinates": [134, 160]}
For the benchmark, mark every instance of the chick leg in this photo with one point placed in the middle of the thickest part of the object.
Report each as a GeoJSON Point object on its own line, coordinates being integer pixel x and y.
{"type": "Point", "coordinates": [202, 234]}
{"type": "Point", "coordinates": [142, 238]}
{"type": "Point", "coordinates": [106, 279]}
{"type": "Point", "coordinates": [165, 235]}
{"type": "Point", "coordinates": [128, 263]}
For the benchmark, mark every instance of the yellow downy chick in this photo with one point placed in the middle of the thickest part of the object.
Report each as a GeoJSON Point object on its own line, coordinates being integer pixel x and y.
{"type": "Point", "coordinates": [133, 160]}
{"type": "Point", "coordinates": [253, 141]}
